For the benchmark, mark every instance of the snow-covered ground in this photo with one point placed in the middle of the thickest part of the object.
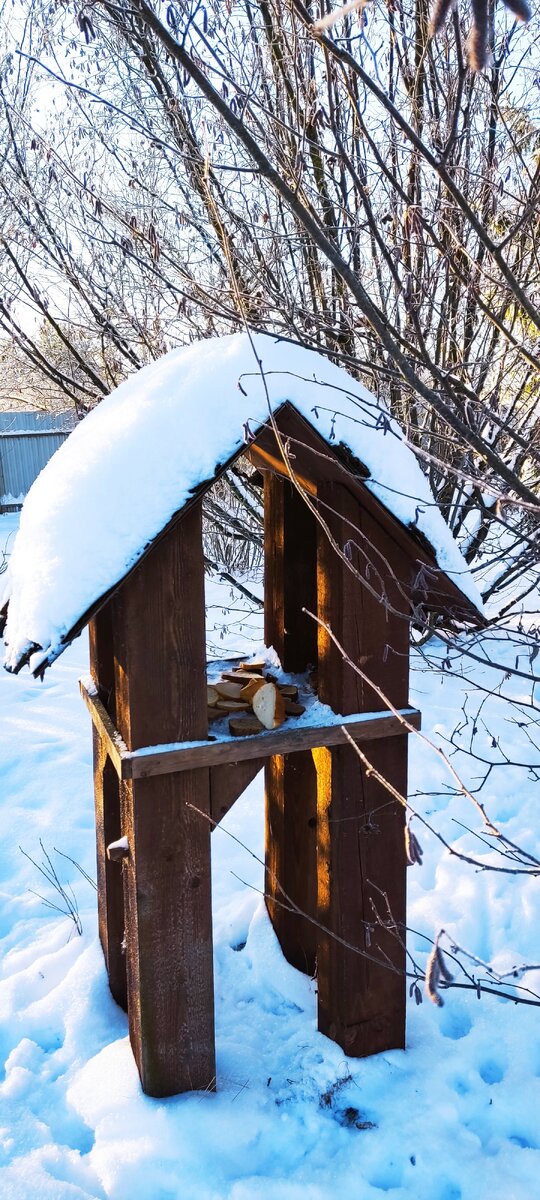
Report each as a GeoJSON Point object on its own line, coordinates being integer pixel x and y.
{"type": "Point", "coordinates": [454, 1117]}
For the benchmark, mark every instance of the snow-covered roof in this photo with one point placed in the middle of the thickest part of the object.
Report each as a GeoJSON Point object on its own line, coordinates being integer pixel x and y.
{"type": "Point", "coordinates": [136, 459]}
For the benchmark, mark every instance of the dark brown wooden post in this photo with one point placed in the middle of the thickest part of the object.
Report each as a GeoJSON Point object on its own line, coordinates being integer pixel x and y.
{"type": "Point", "coordinates": [159, 624]}
{"type": "Point", "coordinates": [107, 805]}
{"type": "Point", "coordinates": [290, 564]}
{"type": "Point", "coordinates": [361, 855]}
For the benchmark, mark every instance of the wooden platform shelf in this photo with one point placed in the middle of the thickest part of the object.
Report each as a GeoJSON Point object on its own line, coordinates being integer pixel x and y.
{"type": "Point", "coordinates": [214, 751]}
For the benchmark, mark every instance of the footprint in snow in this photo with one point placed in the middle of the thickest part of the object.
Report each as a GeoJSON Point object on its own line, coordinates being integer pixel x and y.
{"type": "Point", "coordinates": [491, 1071]}
{"type": "Point", "coordinates": [455, 1024]}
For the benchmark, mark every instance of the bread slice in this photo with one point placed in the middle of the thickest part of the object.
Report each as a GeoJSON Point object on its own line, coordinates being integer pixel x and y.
{"type": "Point", "coordinates": [249, 689]}
{"type": "Point", "coordinates": [269, 706]}
{"type": "Point", "coordinates": [244, 726]}
{"type": "Point", "coordinates": [212, 695]}
{"type": "Point", "coordinates": [235, 706]}
{"type": "Point", "coordinates": [238, 676]}
{"type": "Point", "coordinates": [227, 690]}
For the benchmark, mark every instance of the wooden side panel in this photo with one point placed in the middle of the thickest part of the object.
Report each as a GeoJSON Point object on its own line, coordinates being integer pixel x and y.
{"type": "Point", "coordinates": [159, 639]}
{"type": "Point", "coordinates": [160, 697]}
{"type": "Point", "coordinates": [107, 809]}
{"type": "Point", "coordinates": [290, 574]}
{"type": "Point", "coordinates": [361, 854]}
{"type": "Point", "coordinates": [290, 780]}
{"type": "Point", "coordinates": [372, 635]}
{"type": "Point", "coordinates": [100, 635]}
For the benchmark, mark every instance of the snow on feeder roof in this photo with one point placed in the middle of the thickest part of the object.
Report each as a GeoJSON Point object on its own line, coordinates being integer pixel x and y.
{"type": "Point", "coordinates": [168, 432]}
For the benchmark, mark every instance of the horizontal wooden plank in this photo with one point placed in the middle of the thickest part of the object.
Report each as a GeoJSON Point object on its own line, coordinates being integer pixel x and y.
{"type": "Point", "coordinates": [116, 747]}
{"type": "Point", "coordinates": [185, 756]}
{"type": "Point", "coordinates": [161, 760]}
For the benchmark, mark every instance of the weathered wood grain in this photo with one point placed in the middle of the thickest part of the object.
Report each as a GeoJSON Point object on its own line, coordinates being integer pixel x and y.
{"type": "Point", "coordinates": [107, 751]}
{"type": "Point", "coordinates": [361, 855]}
{"type": "Point", "coordinates": [290, 585]}
{"type": "Point", "coordinates": [262, 745]}
{"type": "Point", "coordinates": [160, 683]}
{"type": "Point", "coordinates": [290, 575]}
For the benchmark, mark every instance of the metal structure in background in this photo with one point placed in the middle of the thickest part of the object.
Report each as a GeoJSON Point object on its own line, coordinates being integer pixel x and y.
{"type": "Point", "coordinates": [27, 442]}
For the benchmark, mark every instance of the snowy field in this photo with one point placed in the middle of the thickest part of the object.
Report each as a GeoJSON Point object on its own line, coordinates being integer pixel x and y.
{"type": "Point", "coordinates": [454, 1117]}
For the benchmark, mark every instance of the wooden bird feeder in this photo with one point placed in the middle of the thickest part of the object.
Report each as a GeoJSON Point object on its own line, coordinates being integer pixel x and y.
{"type": "Point", "coordinates": [335, 855]}
{"type": "Point", "coordinates": [335, 852]}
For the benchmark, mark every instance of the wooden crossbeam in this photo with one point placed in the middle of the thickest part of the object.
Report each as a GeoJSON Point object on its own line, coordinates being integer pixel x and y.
{"type": "Point", "coordinates": [116, 746]}
{"type": "Point", "coordinates": [185, 756]}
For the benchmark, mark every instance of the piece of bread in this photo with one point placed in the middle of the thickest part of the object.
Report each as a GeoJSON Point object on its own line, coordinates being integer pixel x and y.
{"type": "Point", "coordinates": [292, 709]}
{"type": "Point", "coordinates": [249, 689]}
{"type": "Point", "coordinates": [235, 706]}
{"type": "Point", "coordinates": [227, 690]}
{"type": "Point", "coordinates": [244, 726]}
{"type": "Point", "coordinates": [269, 706]}
{"type": "Point", "coordinates": [289, 690]}
{"type": "Point", "coordinates": [238, 676]}
{"type": "Point", "coordinates": [212, 695]}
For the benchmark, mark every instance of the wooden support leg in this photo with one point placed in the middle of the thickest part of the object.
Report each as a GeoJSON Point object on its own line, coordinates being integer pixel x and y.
{"type": "Point", "coordinates": [361, 853]}
{"type": "Point", "coordinates": [169, 923]}
{"type": "Point", "coordinates": [107, 806]}
{"type": "Point", "coordinates": [290, 780]}
{"type": "Point", "coordinates": [109, 874]}
{"type": "Point", "coordinates": [361, 878]}
{"type": "Point", "coordinates": [160, 671]}
{"type": "Point", "coordinates": [291, 855]}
